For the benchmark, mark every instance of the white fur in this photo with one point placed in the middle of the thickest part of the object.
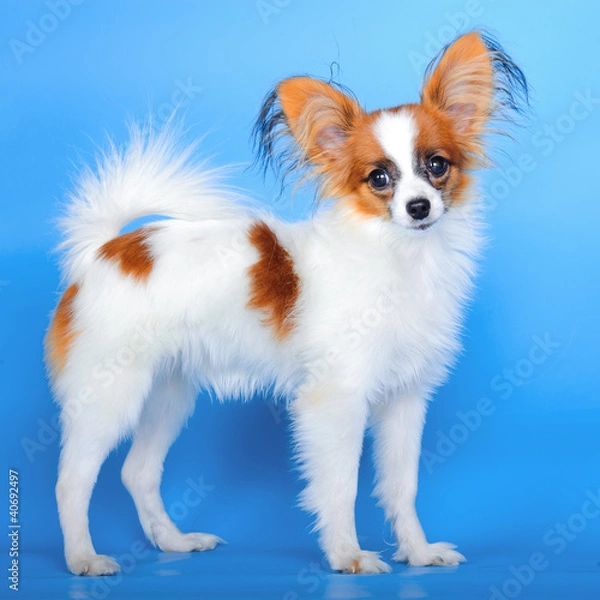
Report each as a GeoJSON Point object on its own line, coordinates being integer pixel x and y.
{"type": "Point", "coordinates": [376, 328]}
{"type": "Point", "coordinates": [396, 133]}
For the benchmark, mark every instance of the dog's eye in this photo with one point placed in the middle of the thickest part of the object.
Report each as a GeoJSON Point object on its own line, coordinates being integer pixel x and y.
{"type": "Point", "coordinates": [379, 179]}
{"type": "Point", "coordinates": [437, 165]}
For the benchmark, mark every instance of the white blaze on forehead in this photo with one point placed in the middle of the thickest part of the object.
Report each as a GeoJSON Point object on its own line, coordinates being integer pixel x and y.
{"type": "Point", "coordinates": [396, 134]}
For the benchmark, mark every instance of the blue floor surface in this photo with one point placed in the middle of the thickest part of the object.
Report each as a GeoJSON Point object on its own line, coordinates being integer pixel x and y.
{"type": "Point", "coordinates": [292, 574]}
{"type": "Point", "coordinates": [511, 463]}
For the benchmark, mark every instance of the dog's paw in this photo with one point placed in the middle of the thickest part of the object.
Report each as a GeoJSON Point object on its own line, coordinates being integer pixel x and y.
{"type": "Point", "coordinates": [190, 542]}
{"type": "Point", "coordinates": [440, 554]}
{"type": "Point", "coordinates": [93, 565]}
{"type": "Point", "coordinates": [363, 562]}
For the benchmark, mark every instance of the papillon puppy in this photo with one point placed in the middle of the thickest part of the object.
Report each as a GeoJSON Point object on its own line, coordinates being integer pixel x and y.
{"type": "Point", "coordinates": [353, 316]}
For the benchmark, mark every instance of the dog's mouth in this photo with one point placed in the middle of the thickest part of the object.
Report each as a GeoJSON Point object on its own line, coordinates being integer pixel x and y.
{"type": "Point", "coordinates": [423, 226]}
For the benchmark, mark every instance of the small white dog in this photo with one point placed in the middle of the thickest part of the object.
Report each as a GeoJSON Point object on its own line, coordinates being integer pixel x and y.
{"type": "Point", "coordinates": [353, 316]}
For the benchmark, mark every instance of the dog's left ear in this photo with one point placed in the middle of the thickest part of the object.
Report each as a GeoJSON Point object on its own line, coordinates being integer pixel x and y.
{"type": "Point", "coordinates": [471, 83]}
{"type": "Point", "coordinates": [462, 84]}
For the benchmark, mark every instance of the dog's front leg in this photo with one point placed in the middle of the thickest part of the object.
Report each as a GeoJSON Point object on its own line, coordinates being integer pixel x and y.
{"type": "Point", "coordinates": [329, 426]}
{"type": "Point", "coordinates": [397, 427]}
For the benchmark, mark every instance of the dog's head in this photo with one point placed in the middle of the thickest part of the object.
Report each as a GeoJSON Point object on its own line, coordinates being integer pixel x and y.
{"type": "Point", "coordinates": [408, 164]}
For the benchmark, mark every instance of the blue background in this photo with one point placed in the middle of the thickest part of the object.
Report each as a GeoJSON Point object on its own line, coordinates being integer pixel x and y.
{"type": "Point", "coordinates": [498, 489]}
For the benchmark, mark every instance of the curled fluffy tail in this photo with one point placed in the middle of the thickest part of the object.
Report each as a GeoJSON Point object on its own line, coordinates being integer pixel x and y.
{"type": "Point", "coordinates": [152, 175]}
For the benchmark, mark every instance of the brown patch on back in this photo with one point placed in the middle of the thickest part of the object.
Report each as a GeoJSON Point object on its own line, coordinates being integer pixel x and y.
{"type": "Point", "coordinates": [274, 284]}
{"type": "Point", "coordinates": [61, 333]}
{"type": "Point", "coordinates": [131, 252]}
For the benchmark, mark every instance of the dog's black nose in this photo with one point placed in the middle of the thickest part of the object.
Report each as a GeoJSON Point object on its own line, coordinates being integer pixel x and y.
{"type": "Point", "coordinates": [418, 208]}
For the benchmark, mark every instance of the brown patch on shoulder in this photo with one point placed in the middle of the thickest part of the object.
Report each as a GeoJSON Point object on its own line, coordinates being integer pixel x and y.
{"type": "Point", "coordinates": [274, 284]}
{"type": "Point", "coordinates": [61, 333]}
{"type": "Point", "coordinates": [131, 252]}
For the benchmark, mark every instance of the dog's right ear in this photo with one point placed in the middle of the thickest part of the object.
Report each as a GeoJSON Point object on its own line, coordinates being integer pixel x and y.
{"type": "Point", "coordinates": [318, 116]}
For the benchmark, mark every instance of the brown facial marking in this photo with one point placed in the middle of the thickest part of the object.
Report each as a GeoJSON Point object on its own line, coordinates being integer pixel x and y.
{"type": "Point", "coordinates": [274, 285]}
{"type": "Point", "coordinates": [364, 155]}
{"type": "Point", "coordinates": [461, 89]}
{"type": "Point", "coordinates": [61, 334]}
{"type": "Point", "coordinates": [131, 252]}
{"type": "Point", "coordinates": [336, 135]}
{"type": "Point", "coordinates": [347, 177]}
{"type": "Point", "coordinates": [437, 136]}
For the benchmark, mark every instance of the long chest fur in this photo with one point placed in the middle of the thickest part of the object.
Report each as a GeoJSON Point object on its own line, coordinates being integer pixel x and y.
{"type": "Point", "coordinates": [389, 312]}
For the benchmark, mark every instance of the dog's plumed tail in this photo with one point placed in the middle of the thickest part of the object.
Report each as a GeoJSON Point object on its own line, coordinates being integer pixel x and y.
{"type": "Point", "coordinates": [154, 174]}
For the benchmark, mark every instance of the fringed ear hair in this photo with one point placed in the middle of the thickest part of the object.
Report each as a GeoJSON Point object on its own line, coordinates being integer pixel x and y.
{"type": "Point", "coordinates": [304, 125]}
{"type": "Point", "coordinates": [473, 82]}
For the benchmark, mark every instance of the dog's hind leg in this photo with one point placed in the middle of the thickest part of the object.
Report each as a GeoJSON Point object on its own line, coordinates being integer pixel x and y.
{"type": "Point", "coordinates": [170, 404]}
{"type": "Point", "coordinates": [94, 419]}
